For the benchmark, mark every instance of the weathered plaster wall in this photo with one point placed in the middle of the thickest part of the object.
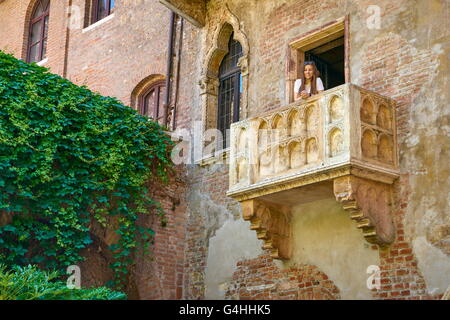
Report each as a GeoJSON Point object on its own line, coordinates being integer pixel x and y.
{"type": "Point", "coordinates": [406, 58]}
{"type": "Point", "coordinates": [233, 242]}
{"type": "Point", "coordinates": [326, 237]}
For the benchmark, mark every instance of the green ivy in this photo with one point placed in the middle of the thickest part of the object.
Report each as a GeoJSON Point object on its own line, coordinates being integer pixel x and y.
{"type": "Point", "coordinates": [31, 283]}
{"type": "Point", "coordinates": [69, 157]}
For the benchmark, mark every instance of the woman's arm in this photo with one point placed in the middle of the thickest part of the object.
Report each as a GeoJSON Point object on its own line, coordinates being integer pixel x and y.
{"type": "Point", "coordinates": [319, 84]}
{"type": "Point", "coordinates": [297, 86]}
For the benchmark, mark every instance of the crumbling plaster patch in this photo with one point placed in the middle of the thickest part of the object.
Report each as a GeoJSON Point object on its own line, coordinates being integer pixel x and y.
{"type": "Point", "coordinates": [325, 236]}
{"type": "Point", "coordinates": [233, 242]}
{"type": "Point", "coordinates": [434, 264]}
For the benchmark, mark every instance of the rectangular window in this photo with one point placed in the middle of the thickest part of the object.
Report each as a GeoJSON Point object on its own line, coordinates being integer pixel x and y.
{"type": "Point", "coordinates": [101, 9]}
{"type": "Point", "coordinates": [328, 47]}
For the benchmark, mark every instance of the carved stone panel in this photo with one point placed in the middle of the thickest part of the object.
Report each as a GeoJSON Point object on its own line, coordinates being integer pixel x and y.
{"type": "Point", "coordinates": [312, 150]}
{"type": "Point", "coordinates": [368, 113]}
{"type": "Point", "coordinates": [377, 121]}
{"type": "Point", "coordinates": [369, 144]}
{"type": "Point", "coordinates": [336, 109]}
{"type": "Point", "coordinates": [384, 118]}
{"type": "Point", "coordinates": [336, 142]}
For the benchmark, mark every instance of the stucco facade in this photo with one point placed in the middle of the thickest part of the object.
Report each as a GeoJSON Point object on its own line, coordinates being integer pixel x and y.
{"type": "Point", "coordinates": [395, 50]}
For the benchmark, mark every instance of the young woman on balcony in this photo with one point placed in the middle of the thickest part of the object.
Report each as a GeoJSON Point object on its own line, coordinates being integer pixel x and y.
{"type": "Point", "coordinates": [310, 83]}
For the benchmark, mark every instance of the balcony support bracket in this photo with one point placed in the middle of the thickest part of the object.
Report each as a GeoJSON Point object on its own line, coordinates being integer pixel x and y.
{"type": "Point", "coordinates": [272, 225]}
{"type": "Point", "coordinates": [369, 205]}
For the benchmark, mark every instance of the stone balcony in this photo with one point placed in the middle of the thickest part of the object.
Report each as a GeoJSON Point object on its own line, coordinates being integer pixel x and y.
{"type": "Point", "coordinates": [342, 142]}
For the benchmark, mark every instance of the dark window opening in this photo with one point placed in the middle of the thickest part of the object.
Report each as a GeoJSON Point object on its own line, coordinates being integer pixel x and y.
{"type": "Point", "coordinates": [101, 9]}
{"type": "Point", "coordinates": [38, 32]}
{"type": "Point", "coordinates": [330, 61]}
{"type": "Point", "coordinates": [230, 90]}
{"type": "Point", "coordinates": [151, 102]}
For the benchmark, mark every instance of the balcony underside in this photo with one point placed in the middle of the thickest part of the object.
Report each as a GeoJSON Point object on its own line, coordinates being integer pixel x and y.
{"type": "Point", "coordinates": [192, 10]}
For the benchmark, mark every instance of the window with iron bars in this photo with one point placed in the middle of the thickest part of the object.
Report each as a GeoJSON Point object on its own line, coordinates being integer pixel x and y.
{"type": "Point", "coordinates": [230, 90]}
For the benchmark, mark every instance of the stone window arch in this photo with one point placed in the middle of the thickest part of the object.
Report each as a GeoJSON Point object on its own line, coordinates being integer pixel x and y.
{"type": "Point", "coordinates": [148, 96]}
{"type": "Point", "coordinates": [209, 83]}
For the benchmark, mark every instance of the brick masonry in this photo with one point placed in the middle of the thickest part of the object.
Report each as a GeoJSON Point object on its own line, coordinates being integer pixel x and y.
{"type": "Point", "coordinates": [261, 279]}
{"type": "Point", "coordinates": [114, 57]}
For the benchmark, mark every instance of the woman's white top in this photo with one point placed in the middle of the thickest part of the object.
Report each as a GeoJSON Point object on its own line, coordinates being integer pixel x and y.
{"type": "Point", "coordinates": [298, 84]}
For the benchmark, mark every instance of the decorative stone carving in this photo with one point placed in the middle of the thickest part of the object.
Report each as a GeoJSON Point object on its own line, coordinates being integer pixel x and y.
{"type": "Point", "coordinates": [336, 142]}
{"type": "Point", "coordinates": [385, 149]}
{"type": "Point", "coordinates": [295, 124]}
{"type": "Point", "coordinates": [297, 156]}
{"type": "Point", "coordinates": [209, 86]}
{"type": "Point", "coordinates": [369, 144]}
{"type": "Point", "coordinates": [311, 118]}
{"type": "Point", "coordinates": [272, 225]}
{"type": "Point", "coordinates": [384, 118]}
{"type": "Point", "coordinates": [265, 163]}
{"type": "Point", "coordinates": [336, 109]}
{"type": "Point", "coordinates": [242, 170]}
{"type": "Point", "coordinates": [368, 203]}
{"type": "Point", "coordinates": [377, 141]}
{"type": "Point", "coordinates": [312, 150]}
{"type": "Point", "coordinates": [243, 65]}
{"type": "Point", "coordinates": [281, 159]}
{"type": "Point", "coordinates": [368, 113]}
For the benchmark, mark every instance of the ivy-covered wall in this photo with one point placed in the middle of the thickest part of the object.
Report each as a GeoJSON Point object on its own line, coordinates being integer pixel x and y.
{"type": "Point", "coordinates": [73, 162]}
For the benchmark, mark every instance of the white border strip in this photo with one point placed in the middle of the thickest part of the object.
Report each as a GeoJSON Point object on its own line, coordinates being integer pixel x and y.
{"type": "Point", "coordinates": [99, 22]}
{"type": "Point", "coordinates": [42, 62]}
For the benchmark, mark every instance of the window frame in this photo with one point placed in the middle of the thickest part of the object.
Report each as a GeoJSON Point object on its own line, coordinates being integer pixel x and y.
{"type": "Point", "coordinates": [235, 75]}
{"type": "Point", "coordinates": [43, 37]}
{"type": "Point", "coordinates": [142, 101]}
{"type": "Point", "coordinates": [95, 10]}
{"type": "Point", "coordinates": [311, 39]}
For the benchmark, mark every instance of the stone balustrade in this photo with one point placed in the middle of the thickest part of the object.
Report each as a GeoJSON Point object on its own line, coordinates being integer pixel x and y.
{"type": "Point", "coordinates": [343, 126]}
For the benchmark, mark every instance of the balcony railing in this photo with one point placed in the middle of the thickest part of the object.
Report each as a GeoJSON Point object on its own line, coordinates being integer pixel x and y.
{"type": "Point", "coordinates": [346, 132]}
{"type": "Point", "coordinates": [343, 126]}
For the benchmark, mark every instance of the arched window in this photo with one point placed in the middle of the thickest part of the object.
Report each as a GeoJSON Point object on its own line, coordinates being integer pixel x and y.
{"type": "Point", "coordinates": [38, 31]}
{"type": "Point", "coordinates": [101, 9]}
{"type": "Point", "coordinates": [150, 103]}
{"type": "Point", "coordinates": [230, 89]}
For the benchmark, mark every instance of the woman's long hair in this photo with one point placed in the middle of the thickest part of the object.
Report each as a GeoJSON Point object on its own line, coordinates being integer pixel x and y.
{"type": "Point", "coordinates": [313, 79]}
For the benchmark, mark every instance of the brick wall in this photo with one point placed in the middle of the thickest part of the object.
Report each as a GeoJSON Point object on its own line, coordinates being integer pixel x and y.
{"type": "Point", "coordinates": [114, 56]}
{"type": "Point", "coordinates": [261, 279]}
{"type": "Point", "coordinates": [385, 61]}
{"type": "Point", "coordinates": [395, 68]}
